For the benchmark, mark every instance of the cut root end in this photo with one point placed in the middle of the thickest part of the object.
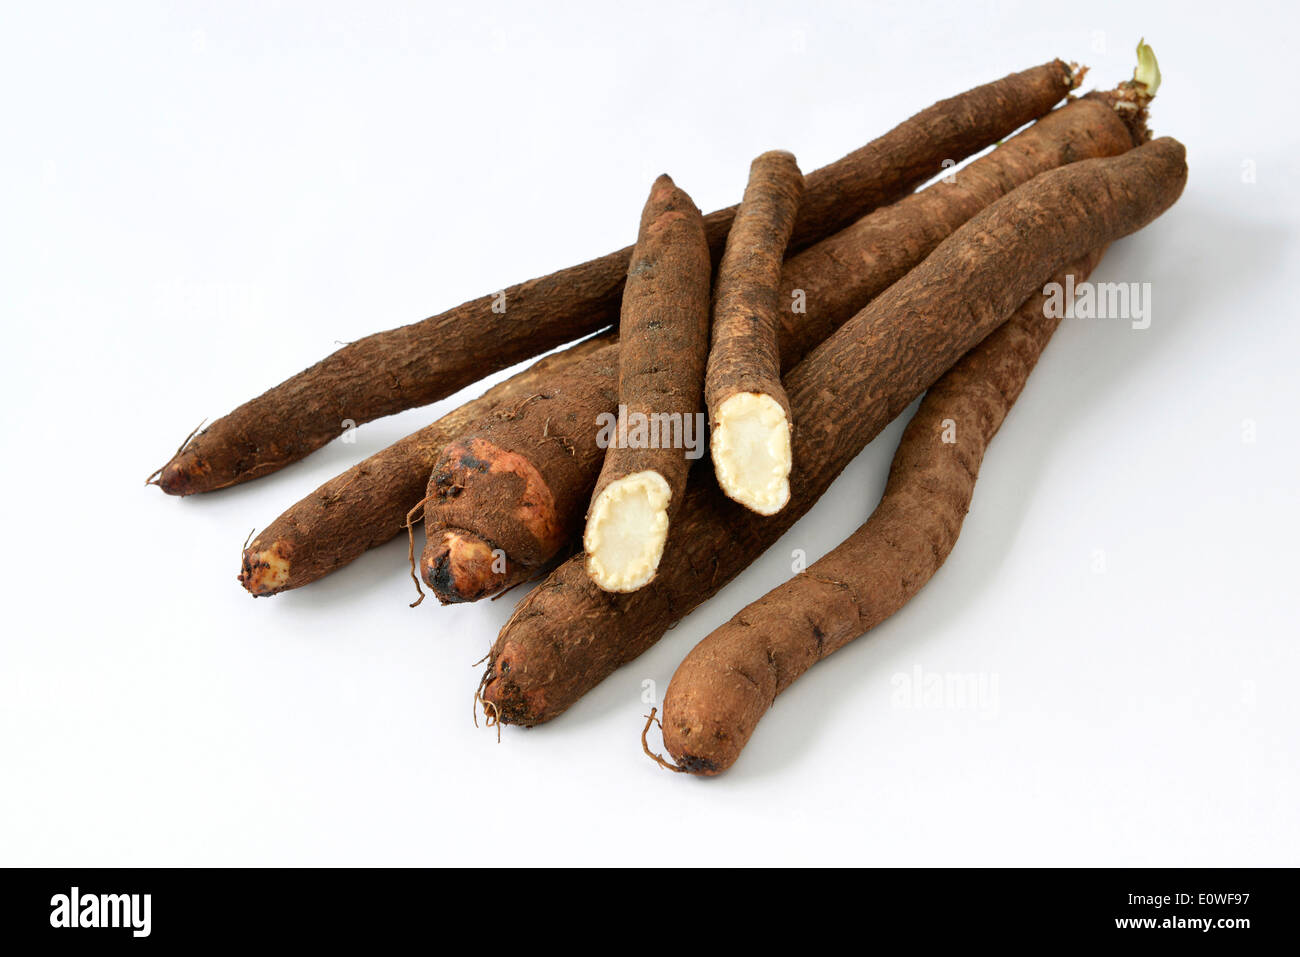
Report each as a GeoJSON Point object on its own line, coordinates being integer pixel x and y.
{"type": "Point", "coordinates": [265, 571]}
{"type": "Point", "coordinates": [751, 451]}
{"type": "Point", "coordinates": [460, 566]}
{"type": "Point", "coordinates": [626, 531]}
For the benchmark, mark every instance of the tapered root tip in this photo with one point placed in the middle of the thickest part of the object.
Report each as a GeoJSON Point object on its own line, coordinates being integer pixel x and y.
{"type": "Point", "coordinates": [697, 744]}
{"type": "Point", "coordinates": [185, 472]}
{"type": "Point", "coordinates": [681, 740]}
{"type": "Point", "coordinates": [750, 446]}
{"type": "Point", "coordinates": [626, 531]}
{"type": "Point", "coordinates": [459, 566]}
{"type": "Point", "coordinates": [696, 765]}
{"type": "Point", "coordinates": [504, 700]}
{"type": "Point", "coordinates": [662, 186]}
{"type": "Point", "coordinates": [265, 570]}
{"type": "Point", "coordinates": [180, 476]}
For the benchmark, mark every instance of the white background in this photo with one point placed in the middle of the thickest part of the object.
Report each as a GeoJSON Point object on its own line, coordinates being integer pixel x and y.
{"type": "Point", "coordinates": [200, 200]}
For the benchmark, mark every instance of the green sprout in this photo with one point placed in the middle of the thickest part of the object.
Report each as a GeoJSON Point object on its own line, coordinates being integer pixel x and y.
{"type": "Point", "coordinates": [1147, 71]}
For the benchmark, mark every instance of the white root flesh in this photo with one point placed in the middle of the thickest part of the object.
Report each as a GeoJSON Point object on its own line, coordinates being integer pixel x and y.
{"type": "Point", "coordinates": [626, 531]}
{"type": "Point", "coordinates": [750, 446]}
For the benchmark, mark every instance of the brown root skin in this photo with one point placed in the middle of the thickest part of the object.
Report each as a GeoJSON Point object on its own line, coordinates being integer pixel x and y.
{"type": "Point", "coordinates": [726, 684]}
{"type": "Point", "coordinates": [663, 347]}
{"type": "Point", "coordinates": [395, 370]}
{"type": "Point", "coordinates": [743, 355]}
{"type": "Point", "coordinates": [528, 468]}
{"type": "Point", "coordinates": [1130, 103]}
{"type": "Point", "coordinates": [916, 150]}
{"type": "Point", "coordinates": [843, 273]}
{"type": "Point", "coordinates": [567, 635]}
{"type": "Point", "coordinates": [459, 566]}
{"type": "Point", "coordinates": [533, 517]}
{"type": "Point", "coordinates": [185, 475]}
{"type": "Point", "coordinates": [743, 358]}
{"type": "Point", "coordinates": [367, 505]}
{"type": "Point", "coordinates": [835, 278]}
{"type": "Point", "coordinates": [420, 363]}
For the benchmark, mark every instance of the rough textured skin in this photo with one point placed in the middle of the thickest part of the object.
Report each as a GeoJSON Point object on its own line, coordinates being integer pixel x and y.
{"type": "Point", "coordinates": [725, 685]}
{"type": "Point", "coordinates": [567, 635]}
{"type": "Point", "coordinates": [915, 150]}
{"type": "Point", "coordinates": [838, 276]}
{"type": "Point", "coordinates": [663, 334]}
{"type": "Point", "coordinates": [468, 484]}
{"type": "Point", "coordinates": [844, 272]}
{"type": "Point", "coordinates": [743, 357]}
{"type": "Point", "coordinates": [367, 505]}
{"type": "Point", "coordinates": [420, 363]}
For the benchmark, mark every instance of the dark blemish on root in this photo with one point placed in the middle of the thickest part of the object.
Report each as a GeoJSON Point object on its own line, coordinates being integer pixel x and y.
{"type": "Point", "coordinates": [508, 702]}
{"type": "Point", "coordinates": [697, 765]}
{"type": "Point", "coordinates": [438, 576]}
{"type": "Point", "coordinates": [472, 462]}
